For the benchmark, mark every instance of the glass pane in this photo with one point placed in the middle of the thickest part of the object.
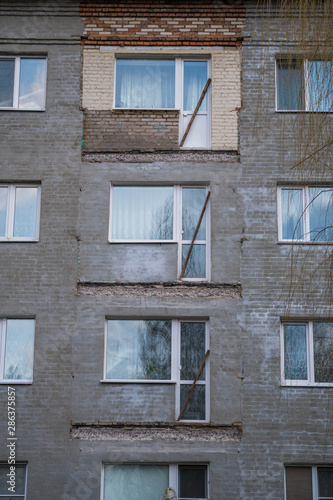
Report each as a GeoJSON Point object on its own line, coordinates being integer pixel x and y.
{"type": "Point", "coordinates": [7, 68]}
{"type": "Point", "coordinates": [325, 482]}
{"type": "Point", "coordinates": [192, 350]}
{"type": "Point", "coordinates": [19, 480]}
{"type": "Point", "coordinates": [135, 482]}
{"type": "Point", "coordinates": [145, 83]}
{"type": "Point", "coordinates": [295, 359]}
{"type": "Point", "coordinates": [290, 85]}
{"type": "Point", "coordinates": [299, 483]}
{"type": "Point", "coordinates": [19, 349]}
{"type": "Point", "coordinates": [195, 79]}
{"type": "Point", "coordinates": [196, 265]}
{"type": "Point", "coordinates": [138, 350]}
{"type": "Point", "coordinates": [193, 202]}
{"type": "Point", "coordinates": [142, 213]}
{"type": "Point", "coordinates": [192, 481]}
{"type": "Point", "coordinates": [3, 210]}
{"type": "Point", "coordinates": [25, 211]}
{"type": "Point", "coordinates": [320, 86]}
{"type": "Point", "coordinates": [323, 351]}
{"type": "Point", "coordinates": [321, 214]}
{"type": "Point", "coordinates": [292, 210]}
{"type": "Point", "coordinates": [32, 84]}
{"type": "Point", "coordinates": [196, 408]}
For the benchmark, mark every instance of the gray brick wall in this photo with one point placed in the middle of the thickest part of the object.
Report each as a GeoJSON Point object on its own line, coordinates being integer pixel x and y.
{"type": "Point", "coordinates": [281, 424]}
{"type": "Point", "coordinates": [38, 279]}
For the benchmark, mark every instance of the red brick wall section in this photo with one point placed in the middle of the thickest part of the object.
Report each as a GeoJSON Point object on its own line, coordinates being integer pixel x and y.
{"type": "Point", "coordinates": [162, 23]}
{"type": "Point", "coordinates": [130, 130]}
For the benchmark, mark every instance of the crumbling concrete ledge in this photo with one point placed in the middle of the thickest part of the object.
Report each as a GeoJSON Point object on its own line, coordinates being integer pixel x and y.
{"type": "Point", "coordinates": [160, 156]}
{"type": "Point", "coordinates": [124, 431]}
{"type": "Point", "coordinates": [169, 289]}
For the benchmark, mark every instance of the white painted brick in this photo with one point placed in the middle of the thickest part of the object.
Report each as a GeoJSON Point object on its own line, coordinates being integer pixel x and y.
{"type": "Point", "coordinates": [98, 75]}
{"type": "Point", "coordinates": [226, 96]}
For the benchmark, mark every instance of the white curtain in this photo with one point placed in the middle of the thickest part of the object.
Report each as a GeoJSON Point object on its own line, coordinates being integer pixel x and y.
{"type": "Point", "coordinates": [142, 213]}
{"type": "Point", "coordinates": [195, 79]}
{"type": "Point", "coordinates": [145, 83]}
{"type": "Point", "coordinates": [135, 482]}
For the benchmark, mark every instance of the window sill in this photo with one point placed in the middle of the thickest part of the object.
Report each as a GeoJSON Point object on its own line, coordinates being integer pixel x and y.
{"type": "Point", "coordinates": [142, 241]}
{"type": "Point", "coordinates": [15, 382]}
{"type": "Point", "coordinates": [191, 422]}
{"type": "Point", "coordinates": [12, 240]}
{"type": "Point", "coordinates": [304, 385]}
{"type": "Point", "coordinates": [24, 110]}
{"type": "Point", "coordinates": [298, 242]}
{"type": "Point", "coordinates": [301, 111]}
{"type": "Point", "coordinates": [126, 381]}
{"type": "Point", "coordinates": [145, 109]}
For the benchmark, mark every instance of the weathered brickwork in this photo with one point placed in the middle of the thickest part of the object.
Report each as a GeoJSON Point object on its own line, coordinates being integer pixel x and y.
{"type": "Point", "coordinates": [98, 89]}
{"type": "Point", "coordinates": [162, 23]}
{"type": "Point", "coordinates": [120, 130]}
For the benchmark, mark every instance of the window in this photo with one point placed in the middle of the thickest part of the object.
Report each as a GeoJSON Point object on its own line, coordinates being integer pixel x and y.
{"type": "Point", "coordinates": [309, 482]}
{"type": "Point", "coordinates": [155, 214]}
{"type": "Point", "coordinates": [304, 85]}
{"type": "Point", "coordinates": [19, 212]}
{"type": "Point", "coordinates": [22, 83]}
{"type": "Point", "coordinates": [173, 83]}
{"type": "Point", "coordinates": [151, 482]}
{"type": "Point", "coordinates": [305, 214]}
{"type": "Point", "coordinates": [307, 349]}
{"type": "Point", "coordinates": [16, 474]}
{"type": "Point", "coordinates": [153, 350]}
{"type": "Point", "coordinates": [16, 350]}
{"type": "Point", "coordinates": [145, 83]}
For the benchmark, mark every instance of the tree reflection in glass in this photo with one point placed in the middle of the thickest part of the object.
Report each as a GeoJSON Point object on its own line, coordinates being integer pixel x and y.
{"type": "Point", "coordinates": [193, 202]}
{"type": "Point", "coordinates": [323, 351]}
{"type": "Point", "coordinates": [192, 352]}
{"type": "Point", "coordinates": [19, 349]}
{"type": "Point", "coordinates": [138, 350]}
{"type": "Point", "coordinates": [295, 352]}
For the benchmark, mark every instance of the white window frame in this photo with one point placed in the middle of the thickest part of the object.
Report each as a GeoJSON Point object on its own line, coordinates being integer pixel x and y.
{"type": "Point", "coordinates": [9, 494]}
{"type": "Point", "coordinates": [177, 228]}
{"type": "Point", "coordinates": [173, 475]}
{"type": "Point", "coordinates": [10, 213]}
{"type": "Point", "coordinates": [17, 71]}
{"type": "Point", "coordinates": [3, 334]}
{"type": "Point", "coordinates": [175, 364]}
{"type": "Point", "coordinates": [179, 78]}
{"type": "Point", "coordinates": [180, 98]}
{"type": "Point", "coordinates": [305, 69]}
{"type": "Point", "coordinates": [314, 470]}
{"type": "Point", "coordinates": [305, 215]}
{"type": "Point", "coordinates": [310, 381]}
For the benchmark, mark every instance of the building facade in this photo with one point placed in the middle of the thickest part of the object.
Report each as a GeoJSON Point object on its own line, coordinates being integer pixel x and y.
{"type": "Point", "coordinates": [165, 314]}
